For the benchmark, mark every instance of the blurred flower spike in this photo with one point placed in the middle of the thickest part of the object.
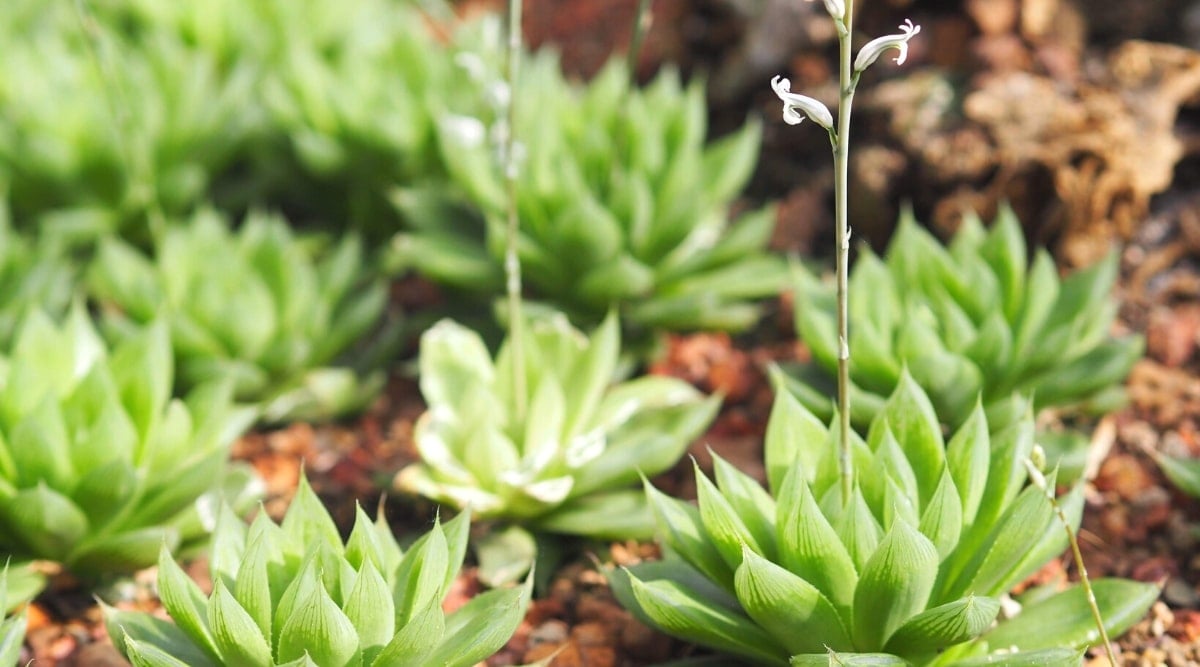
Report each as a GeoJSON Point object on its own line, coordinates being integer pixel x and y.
{"type": "Point", "coordinates": [794, 103]}
{"type": "Point", "coordinates": [874, 48]}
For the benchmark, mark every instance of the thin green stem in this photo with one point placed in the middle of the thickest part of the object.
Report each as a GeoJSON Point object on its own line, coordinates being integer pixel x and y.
{"type": "Point", "coordinates": [512, 261]}
{"type": "Point", "coordinates": [641, 25]}
{"type": "Point", "coordinates": [1084, 580]}
{"type": "Point", "coordinates": [841, 167]}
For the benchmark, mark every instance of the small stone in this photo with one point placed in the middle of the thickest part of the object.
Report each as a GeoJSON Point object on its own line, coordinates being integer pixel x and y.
{"type": "Point", "coordinates": [1124, 475]}
{"type": "Point", "coordinates": [1180, 594]}
{"type": "Point", "coordinates": [551, 632]}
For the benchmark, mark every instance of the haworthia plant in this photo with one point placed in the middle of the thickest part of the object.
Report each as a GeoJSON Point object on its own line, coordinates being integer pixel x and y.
{"type": "Point", "coordinates": [622, 203]}
{"type": "Point", "coordinates": [568, 466]}
{"type": "Point", "coordinates": [910, 572]}
{"type": "Point", "coordinates": [99, 466]}
{"type": "Point", "coordinates": [295, 594]}
{"type": "Point", "coordinates": [974, 317]}
{"type": "Point", "coordinates": [274, 312]}
{"type": "Point", "coordinates": [34, 273]}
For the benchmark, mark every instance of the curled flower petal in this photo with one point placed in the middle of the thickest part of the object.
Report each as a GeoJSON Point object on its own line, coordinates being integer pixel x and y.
{"type": "Point", "coordinates": [793, 102]}
{"type": "Point", "coordinates": [874, 48]}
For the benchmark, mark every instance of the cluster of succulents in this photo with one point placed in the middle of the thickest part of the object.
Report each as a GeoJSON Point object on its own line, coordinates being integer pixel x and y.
{"type": "Point", "coordinates": [568, 466]}
{"type": "Point", "coordinates": [138, 138]}
{"type": "Point", "coordinates": [622, 203]}
{"type": "Point", "coordinates": [317, 108]}
{"type": "Point", "coordinates": [99, 466]}
{"type": "Point", "coordinates": [908, 569]}
{"type": "Point", "coordinates": [295, 594]}
{"type": "Point", "coordinates": [273, 312]}
{"type": "Point", "coordinates": [971, 318]}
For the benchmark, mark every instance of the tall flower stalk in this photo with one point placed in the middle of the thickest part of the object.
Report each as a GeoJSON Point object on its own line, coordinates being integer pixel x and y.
{"type": "Point", "coordinates": [512, 261]}
{"type": "Point", "coordinates": [641, 25]}
{"type": "Point", "coordinates": [796, 108]}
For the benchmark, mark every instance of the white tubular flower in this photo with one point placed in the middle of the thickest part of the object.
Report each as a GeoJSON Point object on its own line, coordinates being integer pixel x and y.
{"type": "Point", "coordinates": [793, 102]}
{"type": "Point", "coordinates": [836, 8]}
{"type": "Point", "coordinates": [874, 48]}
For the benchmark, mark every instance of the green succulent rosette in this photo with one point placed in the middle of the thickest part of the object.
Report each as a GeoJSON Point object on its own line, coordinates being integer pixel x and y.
{"type": "Point", "coordinates": [276, 313]}
{"type": "Point", "coordinates": [973, 318]}
{"type": "Point", "coordinates": [568, 466]}
{"type": "Point", "coordinates": [99, 466]}
{"type": "Point", "coordinates": [911, 571]}
{"type": "Point", "coordinates": [33, 274]}
{"type": "Point", "coordinates": [623, 205]}
{"type": "Point", "coordinates": [295, 594]}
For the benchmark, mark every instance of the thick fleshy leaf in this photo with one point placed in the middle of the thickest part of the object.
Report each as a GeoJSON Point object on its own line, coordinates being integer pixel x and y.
{"type": "Point", "coordinates": [49, 523]}
{"type": "Point", "coordinates": [967, 458]}
{"type": "Point", "coordinates": [252, 588]}
{"type": "Point", "coordinates": [1065, 620]}
{"type": "Point", "coordinates": [721, 522]}
{"type": "Point", "coordinates": [1005, 251]}
{"type": "Point", "coordinates": [121, 552]}
{"type": "Point", "coordinates": [308, 522]}
{"type": "Point", "coordinates": [942, 520]}
{"type": "Point", "coordinates": [941, 627]}
{"type": "Point", "coordinates": [413, 641]}
{"type": "Point", "coordinates": [421, 576]}
{"type": "Point", "coordinates": [789, 608]}
{"type": "Point", "coordinates": [149, 655]}
{"type": "Point", "coordinates": [1183, 473]}
{"type": "Point", "coordinates": [910, 416]}
{"type": "Point", "coordinates": [1051, 657]}
{"type": "Point", "coordinates": [452, 359]}
{"type": "Point", "coordinates": [615, 515]}
{"type": "Point", "coordinates": [237, 636]}
{"type": "Point", "coordinates": [859, 530]}
{"type": "Point", "coordinates": [505, 555]}
{"type": "Point", "coordinates": [154, 631]}
{"type": "Point", "coordinates": [794, 437]}
{"type": "Point", "coordinates": [894, 586]}
{"type": "Point", "coordinates": [186, 604]}
{"type": "Point", "coordinates": [687, 614]}
{"type": "Point", "coordinates": [750, 501]}
{"type": "Point", "coordinates": [682, 530]}
{"type": "Point", "coordinates": [371, 611]}
{"type": "Point", "coordinates": [809, 546]}
{"type": "Point", "coordinates": [1029, 517]}
{"type": "Point", "coordinates": [317, 627]}
{"type": "Point", "coordinates": [482, 626]}
{"type": "Point", "coordinates": [12, 635]}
